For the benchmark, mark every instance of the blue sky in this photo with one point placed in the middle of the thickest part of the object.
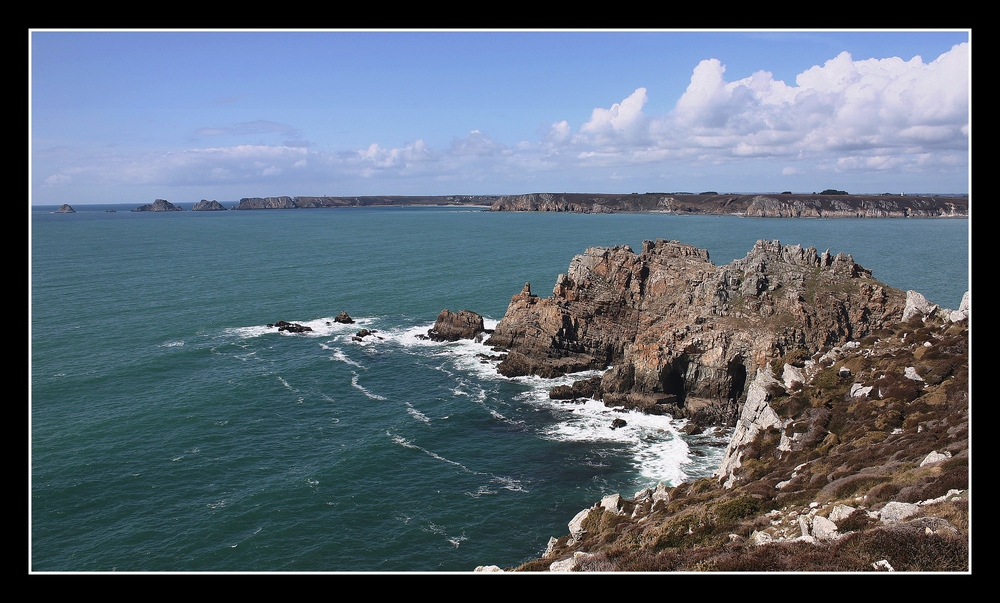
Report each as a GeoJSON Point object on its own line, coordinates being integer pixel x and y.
{"type": "Point", "coordinates": [131, 116]}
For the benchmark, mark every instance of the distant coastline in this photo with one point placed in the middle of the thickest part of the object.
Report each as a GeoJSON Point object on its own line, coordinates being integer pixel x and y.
{"type": "Point", "coordinates": [827, 204]}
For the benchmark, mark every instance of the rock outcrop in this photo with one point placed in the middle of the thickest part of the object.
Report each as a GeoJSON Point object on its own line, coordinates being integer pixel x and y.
{"type": "Point", "coordinates": [206, 205]}
{"type": "Point", "coordinates": [682, 335]}
{"type": "Point", "coordinates": [159, 205]}
{"type": "Point", "coordinates": [65, 209]}
{"type": "Point", "coordinates": [452, 326]}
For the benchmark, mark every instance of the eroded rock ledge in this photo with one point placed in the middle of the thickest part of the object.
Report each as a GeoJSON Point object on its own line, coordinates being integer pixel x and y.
{"type": "Point", "coordinates": [682, 335]}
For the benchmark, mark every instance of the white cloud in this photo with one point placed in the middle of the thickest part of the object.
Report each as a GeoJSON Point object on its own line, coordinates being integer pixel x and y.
{"type": "Point", "coordinates": [623, 124]}
{"type": "Point", "coordinates": [867, 116]}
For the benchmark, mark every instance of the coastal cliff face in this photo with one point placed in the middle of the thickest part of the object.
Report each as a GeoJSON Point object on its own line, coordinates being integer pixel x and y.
{"type": "Point", "coordinates": [764, 206]}
{"type": "Point", "coordinates": [682, 335]}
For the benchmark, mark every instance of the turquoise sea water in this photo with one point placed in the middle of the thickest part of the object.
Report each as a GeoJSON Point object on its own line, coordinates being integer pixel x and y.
{"type": "Point", "coordinates": [171, 430]}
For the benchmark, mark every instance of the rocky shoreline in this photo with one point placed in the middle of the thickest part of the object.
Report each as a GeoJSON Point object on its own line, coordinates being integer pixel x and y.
{"type": "Point", "coordinates": [849, 400]}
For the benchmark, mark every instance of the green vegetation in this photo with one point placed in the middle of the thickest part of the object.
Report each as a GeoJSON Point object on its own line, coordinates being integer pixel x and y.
{"type": "Point", "coordinates": [834, 449]}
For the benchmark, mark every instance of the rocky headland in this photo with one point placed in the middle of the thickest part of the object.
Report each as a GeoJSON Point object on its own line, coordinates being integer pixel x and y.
{"type": "Point", "coordinates": [848, 401]}
{"type": "Point", "coordinates": [159, 205]}
{"type": "Point", "coordinates": [784, 205]}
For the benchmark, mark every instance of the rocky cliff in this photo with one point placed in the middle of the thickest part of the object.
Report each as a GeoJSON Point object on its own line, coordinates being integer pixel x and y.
{"type": "Point", "coordinates": [785, 205]}
{"type": "Point", "coordinates": [327, 201]}
{"type": "Point", "coordinates": [850, 402]}
{"type": "Point", "coordinates": [682, 335]}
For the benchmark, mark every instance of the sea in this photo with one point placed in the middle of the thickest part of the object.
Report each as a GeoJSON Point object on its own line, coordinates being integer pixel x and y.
{"type": "Point", "coordinates": [171, 430]}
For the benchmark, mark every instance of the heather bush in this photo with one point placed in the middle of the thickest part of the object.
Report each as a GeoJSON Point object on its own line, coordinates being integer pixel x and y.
{"type": "Point", "coordinates": [737, 508]}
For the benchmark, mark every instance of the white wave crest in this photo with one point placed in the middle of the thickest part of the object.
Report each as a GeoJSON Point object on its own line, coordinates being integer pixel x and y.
{"type": "Point", "coordinates": [361, 388]}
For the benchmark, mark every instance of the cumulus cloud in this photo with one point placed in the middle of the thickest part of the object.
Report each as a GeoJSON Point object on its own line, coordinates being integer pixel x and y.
{"type": "Point", "coordinates": [842, 106]}
{"type": "Point", "coordinates": [623, 124]}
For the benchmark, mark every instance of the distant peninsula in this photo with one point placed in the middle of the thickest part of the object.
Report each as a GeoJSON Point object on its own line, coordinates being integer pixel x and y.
{"type": "Point", "coordinates": [829, 203]}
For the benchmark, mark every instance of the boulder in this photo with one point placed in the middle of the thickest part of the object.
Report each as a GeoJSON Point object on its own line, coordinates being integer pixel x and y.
{"type": "Point", "coordinates": [343, 318]}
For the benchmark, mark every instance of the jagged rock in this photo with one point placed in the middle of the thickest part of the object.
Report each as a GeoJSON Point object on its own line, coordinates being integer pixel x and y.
{"type": "Point", "coordinates": [576, 530]}
{"type": "Point", "coordinates": [159, 205]}
{"type": "Point", "coordinates": [917, 305]}
{"type": "Point", "coordinates": [964, 309]}
{"type": "Point", "coordinates": [291, 327]}
{"type": "Point", "coordinates": [343, 318]}
{"type": "Point", "coordinates": [683, 335]}
{"type": "Point", "coordinates": [452, 326]}
{"type": "Point", "coordinates": [65, 209]}
{"type": "Point", "coordinates": [755, 416]}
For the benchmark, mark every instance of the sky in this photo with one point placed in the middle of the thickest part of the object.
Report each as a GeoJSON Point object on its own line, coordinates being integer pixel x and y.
{"type": "Point", "coordinates": [131, 116]}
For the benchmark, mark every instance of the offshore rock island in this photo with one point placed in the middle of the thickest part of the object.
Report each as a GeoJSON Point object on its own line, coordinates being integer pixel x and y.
{"type": "Point", "coordinates": [849, 401]}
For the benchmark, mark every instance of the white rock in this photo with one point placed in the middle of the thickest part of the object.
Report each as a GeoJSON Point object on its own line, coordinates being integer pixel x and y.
{"type": "Point", "coordinates": [883, 564]}
{"type": "Point", "coordinates": [935, 457]}
{"type": "Point", "coordinates": [612, 502]}
{"type": "Point", "coordinates": [917, 304]}
{"type": "Point", "coordinates": [824, 529]}
{"type": "Point", "coordinates": [488, 568]}
{"type": "Point", "coordinates": [790, 374]}
{"type": "Point", "coordinates": [911, 373]}
{"type": "Point", "coordinates": [858, 390]}
{"type": "Point", "coordinates": [576, 525]}
{"type": "Point", "coordinates": [895, 511]}
{"type": "Point", "coordinates": [840, 512]}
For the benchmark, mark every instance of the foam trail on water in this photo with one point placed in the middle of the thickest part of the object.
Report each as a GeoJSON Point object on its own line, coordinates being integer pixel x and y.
{"type": "Point", "coordinates": [359, 387]}
{"type": "Point", "coordinates": [407, 444]}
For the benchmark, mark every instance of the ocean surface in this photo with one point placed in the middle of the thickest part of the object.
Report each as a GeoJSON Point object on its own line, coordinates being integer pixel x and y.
{"type": "Point", "coordinates": [172, 431]}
